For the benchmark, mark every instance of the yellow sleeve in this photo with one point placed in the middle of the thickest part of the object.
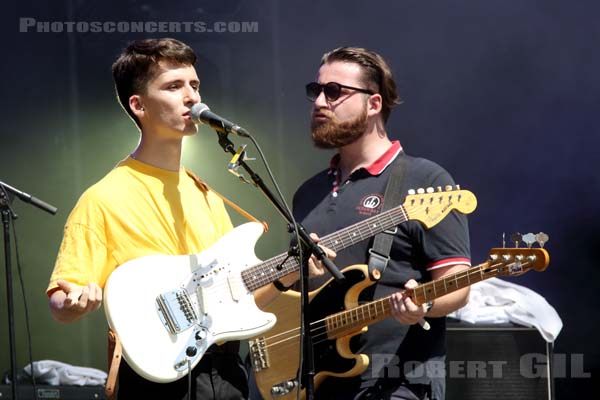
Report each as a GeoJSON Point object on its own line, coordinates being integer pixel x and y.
{"type": "Point", "coordinates": [83, 255]}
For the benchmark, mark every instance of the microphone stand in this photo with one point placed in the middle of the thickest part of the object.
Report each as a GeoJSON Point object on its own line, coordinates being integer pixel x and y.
{"type": "Point", "coordinates": [305, 242]}
{"type": "Point", "coordinates": [9, 215]}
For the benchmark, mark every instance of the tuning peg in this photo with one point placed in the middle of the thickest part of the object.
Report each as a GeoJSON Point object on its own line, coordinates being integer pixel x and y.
{"type": "Point", "coordinates": [439, 188]}
{"type": "Point", "coordinates": [503, 240]}
{"type": "Point", "coordinates": [420, 190]}
{"type": "Point", "coordinates": [529, 239]}
{"type": "Point", "coordinates": [429, 190]}
{"type": "Point", "coordinates": [516, 238]}
{"type": "Point", "coordinates": [448, 188]}
{"type": "Point", "coordinates": [457, 187]}
{"type": "Point", "coordinates": [411, 191]}
{"type": "Point", "coordinates": [542, 238]}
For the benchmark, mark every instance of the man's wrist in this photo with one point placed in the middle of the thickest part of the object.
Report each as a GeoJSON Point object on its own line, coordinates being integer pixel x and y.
{"type": "Point", "coordinates": [428, 306]}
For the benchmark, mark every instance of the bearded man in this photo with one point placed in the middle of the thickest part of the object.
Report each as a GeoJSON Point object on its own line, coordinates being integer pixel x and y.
{"type": "Point", "coordinates": [353, 96]}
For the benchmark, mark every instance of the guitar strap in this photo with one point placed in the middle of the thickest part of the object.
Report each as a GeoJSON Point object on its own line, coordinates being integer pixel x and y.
{"type": "Point", "coordinates": [205, 188]}
{"type": "Point", "coordinates": [115, 352]}
{"type": "Point", "coordinates": [114, 344]}
{"type": "Point", "coordinates": [379, 253]}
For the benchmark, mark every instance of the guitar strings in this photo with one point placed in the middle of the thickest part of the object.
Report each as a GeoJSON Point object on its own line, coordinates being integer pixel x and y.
{"type": "Point", "coordinates": [317, 335]}
{"type": "Point", "coordinates": [336, 241]}
{"type": "Point", "coordinates": [364, 229]}
{"type": "Point", "coordinates": [320, 333]}
{"type": "Point", "coordinates": [258, 276]}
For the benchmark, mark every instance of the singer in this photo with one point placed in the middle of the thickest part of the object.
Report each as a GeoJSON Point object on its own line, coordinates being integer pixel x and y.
{"type": "Point", "coordinates": [149, 204]}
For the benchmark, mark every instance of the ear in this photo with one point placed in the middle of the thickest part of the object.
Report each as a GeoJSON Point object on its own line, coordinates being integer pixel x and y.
{"type": "Point", "coordinates": [374, 104]}
{"type": "Point", "coordinates": [136, 105]}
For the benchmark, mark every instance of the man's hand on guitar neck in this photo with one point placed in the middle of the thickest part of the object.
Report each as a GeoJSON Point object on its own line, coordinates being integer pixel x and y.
{"type": "Point", "coordinates": [71, 301]}
{"type": "Point", "coordinates": [407, 312]}
{"type": "Point", "coordinates": [404, 310]}
{"type": "Point", "coordinates": [315, 266]}
{"type": "Point", "coordinates": [267, 294]}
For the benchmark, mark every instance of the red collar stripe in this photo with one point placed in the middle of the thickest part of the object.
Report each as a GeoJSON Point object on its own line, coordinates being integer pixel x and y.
{"type": "Point", "coordinates": [386, 159]}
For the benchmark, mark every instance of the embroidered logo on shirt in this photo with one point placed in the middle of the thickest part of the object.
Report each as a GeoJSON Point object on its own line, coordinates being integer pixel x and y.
{"type": "Point", "coordinates": [370, 204]}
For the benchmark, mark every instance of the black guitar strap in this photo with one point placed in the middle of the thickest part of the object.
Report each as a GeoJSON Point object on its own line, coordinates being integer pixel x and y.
{"type": "Point", "coordinates": [379, 253]}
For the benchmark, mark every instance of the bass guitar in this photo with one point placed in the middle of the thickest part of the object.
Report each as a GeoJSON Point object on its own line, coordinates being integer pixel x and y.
{"type": "Point", "coordinates": [336, 317]}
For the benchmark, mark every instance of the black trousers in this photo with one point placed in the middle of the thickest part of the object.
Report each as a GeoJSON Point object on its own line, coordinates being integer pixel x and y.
{"type": "Point", "coordinates": [219, 375]}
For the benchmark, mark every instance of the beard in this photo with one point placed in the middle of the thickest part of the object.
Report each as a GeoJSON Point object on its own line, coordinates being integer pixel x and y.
{"type": "Point", "coordinates": [334, 134]}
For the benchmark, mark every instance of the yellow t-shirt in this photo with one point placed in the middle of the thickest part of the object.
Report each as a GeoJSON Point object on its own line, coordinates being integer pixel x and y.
{"type": "Point", "coordinates": [136, 210]}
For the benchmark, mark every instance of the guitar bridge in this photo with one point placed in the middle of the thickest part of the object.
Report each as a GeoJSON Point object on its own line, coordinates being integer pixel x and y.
{"type": "Point", "coordinates": [175, 310]}
{"type": "Point", "coordinates": [258, 354]}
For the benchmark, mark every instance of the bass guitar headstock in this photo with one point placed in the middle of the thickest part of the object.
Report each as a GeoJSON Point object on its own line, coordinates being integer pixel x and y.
{"type": "Point", "coordinates": [518, 260]}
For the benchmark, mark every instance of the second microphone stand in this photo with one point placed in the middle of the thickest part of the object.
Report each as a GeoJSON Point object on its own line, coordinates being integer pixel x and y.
{"type": "Point", "coordinates": [8, 215]}
{"type": "Point", "coordinates": [304, 243]}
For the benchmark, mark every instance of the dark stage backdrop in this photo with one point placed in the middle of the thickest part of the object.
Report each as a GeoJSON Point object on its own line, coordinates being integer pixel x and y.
{"type": "Point", "coordinates": [504, 94]}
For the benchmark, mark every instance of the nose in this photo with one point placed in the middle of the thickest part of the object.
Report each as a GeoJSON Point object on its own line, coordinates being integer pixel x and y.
{"type": "Point", "coordinates": [321, 101]}
{"type": "Point", "coordinates": [192, 96]}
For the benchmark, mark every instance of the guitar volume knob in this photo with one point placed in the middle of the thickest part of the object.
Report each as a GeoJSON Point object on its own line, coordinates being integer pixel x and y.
{"type": "Point", "coordinates": [200, 335]}
{"type": "Point", "coordinates": [191, 351]}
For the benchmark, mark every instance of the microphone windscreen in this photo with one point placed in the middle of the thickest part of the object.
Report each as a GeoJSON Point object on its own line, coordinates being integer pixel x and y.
{"type": "Point", "coordinates": [198, 109]}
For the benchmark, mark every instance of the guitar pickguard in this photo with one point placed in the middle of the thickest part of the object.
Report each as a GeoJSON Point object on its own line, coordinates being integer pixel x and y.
{"type": "Point", "coordinates": [328, 301]}
{"type": "Point", "coordinates": [168, 310]}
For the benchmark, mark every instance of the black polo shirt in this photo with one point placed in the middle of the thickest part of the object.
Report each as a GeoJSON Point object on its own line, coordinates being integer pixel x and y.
{"type": "Point", "coordinates": [324, 205]}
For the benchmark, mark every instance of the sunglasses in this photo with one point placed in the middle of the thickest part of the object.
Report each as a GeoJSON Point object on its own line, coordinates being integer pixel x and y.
{"type": "Point", "coordinates": [332, 90]}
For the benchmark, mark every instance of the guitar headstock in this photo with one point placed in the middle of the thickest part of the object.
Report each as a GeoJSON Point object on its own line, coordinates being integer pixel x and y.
{"type": "Point", "coordinates": [518, 260]}
{"type": "Point", "coordinates": [430, 206]}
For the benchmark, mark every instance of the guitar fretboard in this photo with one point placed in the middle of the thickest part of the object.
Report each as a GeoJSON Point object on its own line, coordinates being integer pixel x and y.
{"type": "Point", "coordinates": [276, 267]}
{"type": "Point", "coordinates": [346, 322]}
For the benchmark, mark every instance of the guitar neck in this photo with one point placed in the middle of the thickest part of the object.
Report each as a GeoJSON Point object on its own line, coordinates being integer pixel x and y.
{"type": "Point", "coordinates": [274, 268]}
{"type": "Point", "coordinates": [350, 321]}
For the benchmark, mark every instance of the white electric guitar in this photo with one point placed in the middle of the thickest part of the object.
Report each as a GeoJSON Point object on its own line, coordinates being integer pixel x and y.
{"type": "Point", "coordinates": [168, 310]}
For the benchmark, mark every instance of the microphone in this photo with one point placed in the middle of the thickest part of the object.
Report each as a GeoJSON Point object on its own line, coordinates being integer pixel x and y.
{"type": "Point", "coordinates": [27, 198]}
{"type": "Point", "coordinates": [200, 113]}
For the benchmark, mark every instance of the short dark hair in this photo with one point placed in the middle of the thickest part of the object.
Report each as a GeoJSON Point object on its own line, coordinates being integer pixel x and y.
{"type": "Point", "coordinates": [377, 75]}
{"type": "Point", "coordinates": [138, 62]}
